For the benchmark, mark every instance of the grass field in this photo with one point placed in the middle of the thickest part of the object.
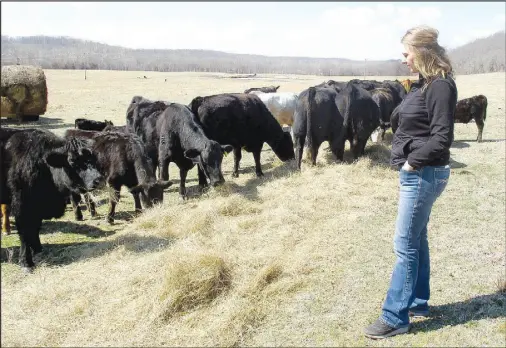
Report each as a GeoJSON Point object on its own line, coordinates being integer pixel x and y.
{"type": "Point", "coordinates": [290, 259]}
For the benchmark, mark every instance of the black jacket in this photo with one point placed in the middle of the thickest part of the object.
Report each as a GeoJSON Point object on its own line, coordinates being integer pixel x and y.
{"type": "Point", "coordinates": [425, 131]}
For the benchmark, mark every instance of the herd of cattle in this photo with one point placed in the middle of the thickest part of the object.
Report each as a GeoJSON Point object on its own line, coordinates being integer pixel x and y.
{"type": "Point", "coordinates": [42, 172]}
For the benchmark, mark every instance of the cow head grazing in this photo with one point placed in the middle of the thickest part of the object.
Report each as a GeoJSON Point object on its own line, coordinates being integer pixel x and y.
{"type": "Point", "coordinates": [283, 148]}
{"type": "Point", "coordinates": [209, 160]}
{"type": "Point", "coordinates": [151, 192]}
{"type": "Point", "coordinates": [79, 164]}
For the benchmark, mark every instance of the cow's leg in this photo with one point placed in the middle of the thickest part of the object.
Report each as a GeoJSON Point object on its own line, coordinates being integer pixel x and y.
{"type": "Point", "coordinates": [113, 200]}
{"type": "Point", "coordinates": [237, 159]}
{"type": "Point", "coordinates": [164, 156]}
{"type": "Point", "coordinates": [164, 169]}
{"type": "Point", "coordinates": [355, 148]}
{"type": "Point", "coordinates": [202, 178]}
{"type": "Point", "coordinates": [90, 204]}
{"type": "Point", "coordinates": [75, 198]}
{"type": "Point", "coordinates": [137, 202]}
{"type": "Point", "coordinates": [382, 133]}
{"type": "Point", "coordinates": [313, 150]}
{"type": "Point", "coordinates": [182, 188]}
{"type": "Point", "coordinates": [480, 124]}
{"type": "Point", "coordinates": [299, 148]}
{"type": "Point", "coordinates": [361, 146]}
{"type": "Point", "coordinates": [28, 231]}
{"type": "Point", "coordinates": [337, 148]}
{"type": "Point", "coordinates": [6, 225]}
{"type": "Point", "coordinates": [258, 167]}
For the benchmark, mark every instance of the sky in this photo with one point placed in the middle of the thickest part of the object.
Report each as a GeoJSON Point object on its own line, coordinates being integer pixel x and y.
{"type": "Point", "coordinates": [352, 30]}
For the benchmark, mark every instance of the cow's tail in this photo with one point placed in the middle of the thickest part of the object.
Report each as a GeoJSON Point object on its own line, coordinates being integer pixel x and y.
{"type": "Point", "coordinates": [311, 103]}
{"type": "Point", "coordinates": [485, 104]}
{"type": "Point", "coordinates": [348, 122]}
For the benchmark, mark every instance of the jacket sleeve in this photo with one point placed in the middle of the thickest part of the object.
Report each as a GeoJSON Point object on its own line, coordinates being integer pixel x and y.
{"type": "Point", "coordinates": [441, 101]}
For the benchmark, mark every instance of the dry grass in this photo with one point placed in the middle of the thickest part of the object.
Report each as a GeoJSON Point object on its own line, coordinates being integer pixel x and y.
{"type": "Point", "coordinates": [191, 281]}
{"type": "Point", "coordinates": [291, 259]}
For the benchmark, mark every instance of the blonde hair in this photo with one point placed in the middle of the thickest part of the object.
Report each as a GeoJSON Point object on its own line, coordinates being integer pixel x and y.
{"type": "Point", "coordinates": [430, 59]}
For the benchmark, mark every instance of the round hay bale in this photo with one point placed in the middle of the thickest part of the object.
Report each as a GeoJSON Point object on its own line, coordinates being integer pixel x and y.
{"type": "Point", "coordinates": [23, 83]}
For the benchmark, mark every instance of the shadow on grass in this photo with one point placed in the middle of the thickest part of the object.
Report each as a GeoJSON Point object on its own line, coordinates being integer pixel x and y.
{"type": "Point", "coordinates": [456, 165]}
{"type": "Point", "coordinates": [53, 226]}
{"type": "Point", "coordinates": [459, 144]}
{"type": "Point", "coordinates": [490, 306]}
{"type": "Point", "coordinates": [43, 122]}
{"type": "Point", "coordinates": [58, 254]}
{"type": "Point", "coordinates": [465, 141]}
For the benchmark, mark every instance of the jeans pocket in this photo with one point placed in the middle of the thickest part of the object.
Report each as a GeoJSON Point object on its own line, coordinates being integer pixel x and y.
{"type": "Point", "coordinates": [441, 176]}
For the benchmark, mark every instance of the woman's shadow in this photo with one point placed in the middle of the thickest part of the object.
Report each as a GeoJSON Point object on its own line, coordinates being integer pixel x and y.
{"type": "Point", "coordinates": [490, 306]}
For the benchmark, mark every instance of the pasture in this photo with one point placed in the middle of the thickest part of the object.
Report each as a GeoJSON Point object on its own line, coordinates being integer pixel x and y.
{"type": "Point", "coordinates": [290, 259]}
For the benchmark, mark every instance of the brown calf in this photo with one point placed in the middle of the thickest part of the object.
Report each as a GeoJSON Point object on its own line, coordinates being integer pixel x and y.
{"type": "Point", "coordinates": [472, 108]}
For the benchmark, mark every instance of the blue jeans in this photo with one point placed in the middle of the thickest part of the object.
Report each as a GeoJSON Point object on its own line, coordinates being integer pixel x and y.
{"type": "Point", "coordinates": [409, 286]}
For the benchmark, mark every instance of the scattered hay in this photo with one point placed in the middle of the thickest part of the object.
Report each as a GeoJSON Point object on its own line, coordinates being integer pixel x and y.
{"type": "Point", "coordinates": [192, 281]}
{"type": "Point", "coordinates": [236, 206]}
{"type": "Point", "coordinates": [266, 276]}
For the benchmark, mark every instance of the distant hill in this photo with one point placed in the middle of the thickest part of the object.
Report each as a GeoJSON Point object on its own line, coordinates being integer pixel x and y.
{"type": "Point", "coordinates": [480, 56]}
{"type": "Point", "coordinates": [69, 53]}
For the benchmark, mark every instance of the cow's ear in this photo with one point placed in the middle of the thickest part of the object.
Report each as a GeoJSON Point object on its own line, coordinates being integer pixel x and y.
{"type": "Point", "coordinates": [191, 153]}
{"type": "Point", "coordinates": [56, 160]}
{"type": "Point", "coordinates": [137, 189]}
{"type": "Point", "coordinates": [227, 148]}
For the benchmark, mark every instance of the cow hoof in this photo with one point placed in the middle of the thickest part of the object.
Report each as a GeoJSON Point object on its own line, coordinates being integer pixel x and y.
{"type": "Point", "coordinates": [259, 175]}
{"type": "Point", "coordinates": [79, 218]}
{"type": "Point", "coordinates": [109, 220]}
{"type": "Point", "coordinates": [235, 175]}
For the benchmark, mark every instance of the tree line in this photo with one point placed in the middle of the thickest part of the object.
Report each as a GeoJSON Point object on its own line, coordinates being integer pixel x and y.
{"type": "Point", "coordinates": [479, 56]}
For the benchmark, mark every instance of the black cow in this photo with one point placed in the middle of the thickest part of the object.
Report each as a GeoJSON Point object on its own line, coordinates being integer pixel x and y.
{"type": "Point", "coordinates": [44, 170]}
{"type": "Point", "coordinates": [361, 117]}
{"type": "Point", "coordinates": [92, 125]}
{"type": "Point", "coordinates": [142, 118]}
{"type": "Point", "coordinates": [5, 199]}
{"type": "Point", "coordinates": [243, 121]}
{"type": "Point", "coordinates": [337, 85]}
{"type": "Point", "coordinates": [317, 119]}
{"type": "Point", "coordinates": [394, 119]}
{"type": "Point", "coordinates": [368, 85]}
{"type": "Point", "coordinates": [269, 89]}
{"type": "Point", "coordinates": [397, 89]}
{"type": "Point", "coordinates": [384, 99]}
{"type": "Point", "coordinates": [472, 108]}
{"type": "Point", "coordinates": [182, 141]}
{"type": "Point", "coordinates": [123, 162]}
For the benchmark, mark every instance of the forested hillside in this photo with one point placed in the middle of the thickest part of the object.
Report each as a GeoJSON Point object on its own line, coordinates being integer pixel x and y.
{"type": "Point", "coordinates": [479, 56]}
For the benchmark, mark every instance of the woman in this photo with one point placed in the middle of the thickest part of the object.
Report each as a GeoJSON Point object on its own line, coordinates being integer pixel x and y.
{"type": "Point", "coordinates": [421, 150]}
